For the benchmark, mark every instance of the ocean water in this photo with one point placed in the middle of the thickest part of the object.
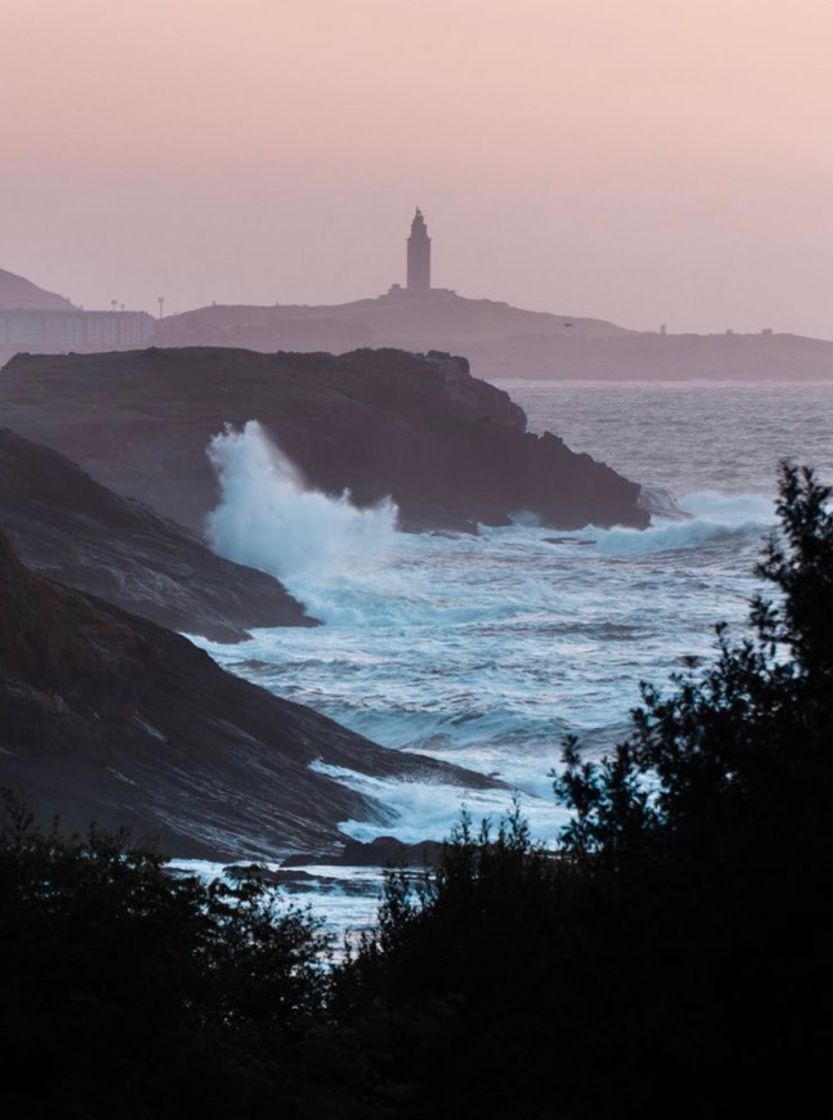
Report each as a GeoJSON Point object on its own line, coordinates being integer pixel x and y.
{"type": "Point", "coordinates": [486, 650]}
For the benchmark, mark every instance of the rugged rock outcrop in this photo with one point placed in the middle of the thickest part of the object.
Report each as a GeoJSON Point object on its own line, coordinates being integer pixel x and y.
{"type": "Point", "coordinates": [108, 717]}
{"type": "Point", "coordinates": [384, 851]}
{"type": "Point", "coordinates": [72, 529]}
{"type": "Point", "coordinates": [451, 450]}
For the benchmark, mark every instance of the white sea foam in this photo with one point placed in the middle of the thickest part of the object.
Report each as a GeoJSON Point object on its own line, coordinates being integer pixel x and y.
{"type": "Point", "coordinates": [482, 650]}
{"type": "Point", "coordinates": [432, 809]}
{"type": "Point", "coordinates": [334, 900]}
{"type": "Point", "coordinates": [270, 518]}
{"type": "Point", "coordinates": [677, 536]}
{"type": "Point", "coordinates": [698, 520]}
{"type": "Point", "coordinates": [731, 509]}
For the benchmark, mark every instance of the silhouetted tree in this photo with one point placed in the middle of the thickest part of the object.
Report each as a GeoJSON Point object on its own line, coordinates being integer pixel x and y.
{"type": "Point", "coordinates": [669, 958]}
{"type": "Point", "coordinates": [745, 743]}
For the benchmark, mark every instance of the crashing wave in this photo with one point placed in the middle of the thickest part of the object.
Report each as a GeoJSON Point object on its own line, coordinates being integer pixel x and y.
{"type": "Point", "coordinates": [270, 518]}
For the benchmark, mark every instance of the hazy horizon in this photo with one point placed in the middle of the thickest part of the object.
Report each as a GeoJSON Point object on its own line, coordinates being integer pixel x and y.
{"type": "Point", "coordinates": [650, 163]}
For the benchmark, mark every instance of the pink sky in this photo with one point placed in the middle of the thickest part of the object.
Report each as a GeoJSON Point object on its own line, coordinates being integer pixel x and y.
{"type": "Point", "coordinates": [645, 161]}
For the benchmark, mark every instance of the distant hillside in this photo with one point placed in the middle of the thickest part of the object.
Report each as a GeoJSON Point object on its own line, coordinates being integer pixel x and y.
{"type": "Point", "coordinates": [435, 320]}
{"type": "Point", "coordinates": [651, 356]}
{"type": "Point", "coordinates": [19, 294]}
{"type": "Point", "coordinates": [501, 341]}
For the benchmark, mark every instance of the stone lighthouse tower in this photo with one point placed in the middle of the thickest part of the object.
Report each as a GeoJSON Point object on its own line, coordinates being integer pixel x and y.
{"type": "Point", "coordinates": [419, 255]}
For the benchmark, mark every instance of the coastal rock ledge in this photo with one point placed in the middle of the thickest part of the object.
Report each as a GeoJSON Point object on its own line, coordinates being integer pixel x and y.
{"type": "Point", "coordinates": [452, 451]}
{"type": "Point", "coordinates": [110, 718]}
{"type": "Point", "coordinates": [65, 526]}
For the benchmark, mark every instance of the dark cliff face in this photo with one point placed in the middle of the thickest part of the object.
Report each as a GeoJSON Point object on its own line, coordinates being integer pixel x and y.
{"type": "Point", "coordinates": [108, 717]}
{"type": "Point", "coordinates": [72, 529]}
{"type": "Point", "coordinates": [451, 450]}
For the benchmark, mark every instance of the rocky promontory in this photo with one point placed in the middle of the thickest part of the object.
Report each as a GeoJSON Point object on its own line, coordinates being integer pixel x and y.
{"type": "Point", "coordinates": [452, 451]}
{"type": "Point", "coordinates": [107, 717]}
{"type": "Point", "coordinates": [72, 529]}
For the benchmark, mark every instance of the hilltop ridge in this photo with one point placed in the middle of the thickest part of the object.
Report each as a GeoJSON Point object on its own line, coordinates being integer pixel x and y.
{"type": "Point", "coordinates": [500, 341]}
{"type": "Point", "coordinates": [19, 294]}
{"type": "Point", "coordinates": [436, 319]}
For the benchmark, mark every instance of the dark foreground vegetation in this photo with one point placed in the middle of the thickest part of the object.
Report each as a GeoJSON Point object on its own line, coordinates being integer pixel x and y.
{"type": "Point", "coordinates": [671, 960]}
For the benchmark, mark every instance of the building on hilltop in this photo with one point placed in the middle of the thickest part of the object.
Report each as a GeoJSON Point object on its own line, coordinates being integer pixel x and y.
{"type": "Point", "coordinates": [419, 255]}
{"type": "Point", "coordinates": [33, 320]}
{"type": "Point", "coordinates": [59, 331]}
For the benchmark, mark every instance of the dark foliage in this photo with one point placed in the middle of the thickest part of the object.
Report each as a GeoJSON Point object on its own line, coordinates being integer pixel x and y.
{"type": "Point", "coordinates": [673, 957]}
{"type": "Point", "coordinates": [127, 991]}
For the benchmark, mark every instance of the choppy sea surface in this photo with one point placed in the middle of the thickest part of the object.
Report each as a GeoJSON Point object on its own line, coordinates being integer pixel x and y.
{"type": "Point", "coordinates": [485, 650]}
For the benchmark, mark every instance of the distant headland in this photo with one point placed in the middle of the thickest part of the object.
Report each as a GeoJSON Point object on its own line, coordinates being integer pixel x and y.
{"type": "Point", "coordinates": [500, 341]}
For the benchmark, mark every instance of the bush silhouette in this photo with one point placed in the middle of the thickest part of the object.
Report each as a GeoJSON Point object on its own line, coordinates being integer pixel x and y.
{"type": "Point", "coordinates": [669, 957]}
{"type": "Point", "coordinates": [129, 991]}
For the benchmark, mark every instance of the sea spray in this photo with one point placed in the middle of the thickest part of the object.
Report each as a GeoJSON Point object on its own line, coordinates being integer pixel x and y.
{"type": "Point", "coordinates": [270, 518]}
{"type": "Point", "coordinates": [485, 650]}
{"type": "Point", "coordinates": [711, 519]}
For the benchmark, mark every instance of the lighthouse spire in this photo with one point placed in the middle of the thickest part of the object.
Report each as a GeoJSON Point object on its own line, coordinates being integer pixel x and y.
{"type": "Point", "coordinates": [419, 255]}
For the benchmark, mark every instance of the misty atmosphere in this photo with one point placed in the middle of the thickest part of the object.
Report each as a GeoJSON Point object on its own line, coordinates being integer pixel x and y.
{"type": "Point", "coordinates": [416, 558]}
